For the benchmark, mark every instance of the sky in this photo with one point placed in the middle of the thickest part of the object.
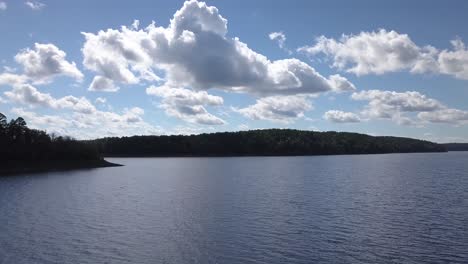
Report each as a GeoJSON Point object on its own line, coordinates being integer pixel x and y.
{"type": "Point", "coordinates": [91, 69]}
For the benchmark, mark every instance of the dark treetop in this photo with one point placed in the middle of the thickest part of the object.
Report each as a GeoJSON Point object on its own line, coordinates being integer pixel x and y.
{"type": "Point", "coordinates": [269, 142]}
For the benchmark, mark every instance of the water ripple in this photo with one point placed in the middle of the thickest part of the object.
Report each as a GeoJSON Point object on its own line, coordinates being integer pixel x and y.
{"type": "Point", "coordinates": [399, 208]}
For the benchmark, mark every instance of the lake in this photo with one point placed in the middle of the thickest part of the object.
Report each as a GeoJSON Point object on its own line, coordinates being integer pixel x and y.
{"type": "Point", "coordinates": [395, 208]}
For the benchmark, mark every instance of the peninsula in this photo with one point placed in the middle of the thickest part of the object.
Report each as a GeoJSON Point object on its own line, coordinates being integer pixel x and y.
{"type": "Point", "coordinates": [24, 150]}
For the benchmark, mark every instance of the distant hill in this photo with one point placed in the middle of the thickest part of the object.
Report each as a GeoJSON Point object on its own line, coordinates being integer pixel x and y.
{"type": "Point", "coordinates": [456, 146]}
{"type": "Point", "coordinates": [268, 142]}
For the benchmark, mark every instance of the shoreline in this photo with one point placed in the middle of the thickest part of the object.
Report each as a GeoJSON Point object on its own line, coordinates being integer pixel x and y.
{"type": "Point", "coordinates": [18, 167]}
{"type": "Point", "coordinates": [265, 155]}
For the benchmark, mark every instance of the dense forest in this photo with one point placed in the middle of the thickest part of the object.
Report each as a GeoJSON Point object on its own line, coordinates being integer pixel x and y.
{"type": "Point", "coordinates": [456, 146]}
{"type": "Point", "coordinates": [22, 148]}
{"type": "Point", "coordinates": [268, 142]}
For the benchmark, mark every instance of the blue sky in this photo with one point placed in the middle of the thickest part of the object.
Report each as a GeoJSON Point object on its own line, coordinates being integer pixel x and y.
{"type": "Point", "coordinates": [393, 68]}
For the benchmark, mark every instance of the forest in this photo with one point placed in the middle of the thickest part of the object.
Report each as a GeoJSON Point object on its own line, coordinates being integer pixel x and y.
{"type": "Point", "coordinates": [456, 146]}
{"type": "Point", "coordinates": [267, 142]}
{"type": "Point", "coordinates": [26, 149]}
{"type": "Point", "coordinates": [23, 147]}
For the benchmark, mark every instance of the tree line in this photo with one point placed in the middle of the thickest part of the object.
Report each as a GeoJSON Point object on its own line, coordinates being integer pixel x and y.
{"type": "Point", "coordinates": [19, 143]}
{"type": "Point", "coordinates": [268, 142]}
{"type": "Point", "coordinates": [456, 146]}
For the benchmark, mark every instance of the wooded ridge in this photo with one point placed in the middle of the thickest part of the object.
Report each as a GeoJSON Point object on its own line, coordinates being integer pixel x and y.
{"type": "Point", "coordinates": [267, 142]}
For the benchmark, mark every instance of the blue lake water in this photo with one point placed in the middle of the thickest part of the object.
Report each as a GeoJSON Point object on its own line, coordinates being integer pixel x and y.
{"type": "Point", "coordinates": [396, 208]}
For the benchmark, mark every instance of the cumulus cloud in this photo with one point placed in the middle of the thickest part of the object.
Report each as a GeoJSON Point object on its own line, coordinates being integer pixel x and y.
{"type": "Point", "coordinates": [187, 105]}
{"type": "Point", "coordinates": [383, 51]}
{"type": "Point", "coordinates": [384, 104]}
{"type": "Point", "coordinates": [111, 53]}
{"type": "Point", "coordinates": [337, 116]}
{"type": "Point", "coordinates": [11, 79]}
{"type": "Point", "coordinates": [447, 116]}
{"type": "Point", "coordinates": [82, 120]}
{"type": "Point", "coordinates": [455, 62]}
{"type": "Point", "coordinates": [371, 52]}
{"type": "Point", "coordinates": [28, 95]}
{"type": "Point", "coordinates": [282, 109]}
{"type": "Point", "coordinates": [133, 115]}
{"type": "Point", "coordinates": [280, 38]}
{"type": "Point", "coordinates": [3, 6]}
{"type": "Point", "coordinates": [35, 5]}
{"type": "Point", "coordinates": [107, 123]}
{"type": "Point", "coordinates": [90, 126]}
{"type": "Point", "coordinates": [45, 62]}
{"type": "Point", "coordinates": [339, 83]}
{"type": "Point", "coordinates": [395, 105]}
{"type": "Point", "coordinates": [55, 124]}
{"type": "Point", "coordinates": [195, 52]}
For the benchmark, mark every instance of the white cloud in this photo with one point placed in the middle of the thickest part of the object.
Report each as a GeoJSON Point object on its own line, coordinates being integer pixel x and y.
{"type": "Point", "coordinates": [339, 83]}
{"type": "Point", "coordinates": [337, 116]}
{"type": "Point", "coordinates": [282, 109]}
{"type": "Point", "coordinates": [280, 38]}
{"type": "Point", "coordinates": [35, 5]}
{"type": "Point", "coordinates": [90, 126]}
{"type": "Point", "coordinates": [136, 24]}
{"type": "Point", "coordinates": [402, 120]}
{"type": "Point", "coordinates": [3, 6]}
{"type": "Point", "coordinates": [383, 51]}
{"type": "Point", "coordinates": [194, 52]}
{"type": "Point", "coordinates": [455, 62]}
{"type": "Point", "coordinates": [394, 106]}
{"type": "Point", "coordinates": [449, 116]}
{"type": "Point", "coordinates": [100, 100]}
{"type": "Point", "coordinates": [187, 105]}
{"type": "Point", "coordinates": [45, 62]}
{"type": "Point", "coordinates": [133, 115]}
{"type": "Point", "coordinates": [384, 104]}
{"type": "Point", "coordinates": [82, 120]}
{"type": "Point", "coordinates": [111, 53]}
{"type": "Point", "coordinates": [105, 123]}
{"type": "Point", "coordinates": [102, 84]}
{"type": "Point", "coordinates": [372, 52]}
{"type": "Point", "coordinates": [53, 123]}
{"type": "Point", "coordinates": [28, 95]}
{"type": "Point", "coordinates": [11, 79]}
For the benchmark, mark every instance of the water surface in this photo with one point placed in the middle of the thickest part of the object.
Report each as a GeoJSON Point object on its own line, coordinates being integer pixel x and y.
{"type": "Point", "coordinates": [396, 208]}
